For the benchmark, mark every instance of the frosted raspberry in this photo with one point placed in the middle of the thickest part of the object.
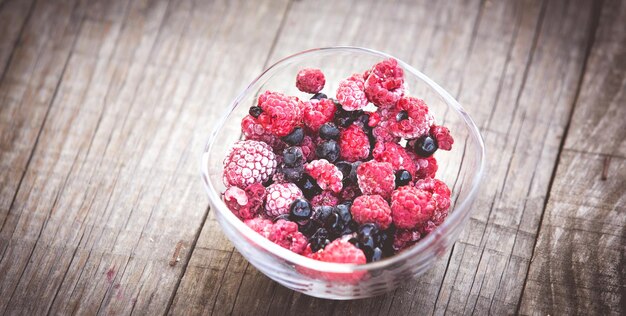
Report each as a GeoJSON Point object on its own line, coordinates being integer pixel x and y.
{"type": "Point", "coordinates": [394, 154]}
{"type": "Point", "coordinates": [285, 234]}
{"type": "Point", "coordinates": [247, 203]}
{"type": "Point", "coordinates": [310, 80]}
{"type": "Point", "coordinates": [440, 195]}
{"type": "Point", "coordinates": [252, 130]}
{"type": "Point", "coordinates": [279, 198]}
{"type": "Point", "coordinates": [351, 93]}
{"type": "Point", "coordinates": [325, 198]}
{"type": "Point", "coordinates": [326, 174]}
{"type": "Point", "coordinates": [248, 162]}
{"type": "Point", "coordinates": [281, 113]}
{"type": "Point", "coordinates": [353, 144]}
{"type": "Point", "coordinates": [376, 178]}
{"type": "Point", "coordinates": [411, 207]}
{"type": "Point", "coordinates": [318, 112]}
{"type": "Point", "coordinates": [371, 209]}
{"type": "Point", "coordinates": [409, 118]}
{"type": "Point", "coordinates": [425, 167]}
{"type": "Point", "coordinates": [260, 225]}
{"type": "Point", "coordinates": [384, 84]}
{"type": "Point", "coordinates": [340, 251]}
{"type": "Point", "coordinates": [374, 119]}
{"type": "Point", "coordinates": [443, 137]}
{"type": "Point", "coordinates": [382, 131]}
{"type": "Point", "coordinates": [405, 238]}
{"type": "Point", "coordinates": [308, 148]}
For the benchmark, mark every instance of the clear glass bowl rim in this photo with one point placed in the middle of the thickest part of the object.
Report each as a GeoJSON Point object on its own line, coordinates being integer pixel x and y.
{"type": "Point", "coordinates": [454, 219]}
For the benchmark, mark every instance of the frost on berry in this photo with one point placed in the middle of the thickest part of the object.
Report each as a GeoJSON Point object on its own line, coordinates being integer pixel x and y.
{"type": "Point", "coordinates": [281, 113]}
{"type": "Point", "coordinates": [371, 209]}
{"type": "Point", "coordinates": [443, 137]}
{"type": "Point", "coordinates": [384, 84]}
{"type": "Point", "coordinates": [396, 155]}
{"type": "Point", "coordinates": [318, 112]}
{"type": "Point", "coordinates": [326, 174]}
{"type": "Point", "coordinates": [247, 163]}
{"type": "Point", "coordinates": [351, 93]}
{"type": "Point", "coordinates": [354, 144]}
{"type": "Point", "coordinates": [376, 178]}
{"type": "Point", "coordinates": [285, 234]}
{"type": "Point", "coordinates": [417, 122]}
{"type": "Point", "coordinates": [279, 198]}
{"type": "Point", "coordinates": [411, 207]}
{"type": "Point", "coordinates": [310, 80]}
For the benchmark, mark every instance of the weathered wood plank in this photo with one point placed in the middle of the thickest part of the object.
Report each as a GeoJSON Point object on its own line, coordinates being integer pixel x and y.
{"type": "Point", "coordinates": [14, 15]}
{"type": "Point", "coordinates": [578, 263]}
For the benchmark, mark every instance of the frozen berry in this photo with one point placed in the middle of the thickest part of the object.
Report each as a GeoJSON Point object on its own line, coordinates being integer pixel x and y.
{"type": "Point", "coordinates": [247, 203]}
{"type": "Point", "coordinates": [404, 238]}
{"type": "Point", "coordinates": [409, 118]}
{"type": "Point", "coordinates": [326, 174]}
{"type": "Point", "coordinates": [281, 113]}
{"type": "Point", "coordinates": [279, 198]}
{"type": "Point", "coordinates": [353, 144]}
{"type": "Point", "coordinates": [300, 210]}
{"type": "Point", "coordinates": [255, 111]}
{"type": "Point", "coordinates": [328, 149]}
{"type": "Point", "coordinates": [329, 131]}
{"type": "Point", "coordinates": [341, 251]}
{"type": "Point", "coordinates": [325, 198]}
{"type": "Point", "coordinates": [286, 234]}
{"type": "Point", "coordinates": [376, 178]}
{"type": "Point", "coordinates": [411, 207]}
{"type": "Point", "coordinates": [321, 214]}
{"type": "Point", "coordinates": [371, 209]}
{"type": "Point", "coordinates": [403, 177]}
{"type": "Point", "coordinates": [440, 195]}
{"type": "Point", "coordinates": [335, 224]}
{"type": "Point", "coordinates": [309, 186]}
{"type": "Point", "coordinates": [319, 96]}
{"type": "Point", "coordinates": [291, 174]}
{"type": "Point", "coordinates": [248, 162]}
{"type": "Point", "coordinates": [260, 225]}
{"type": "Point", "coordinates": [318, 112]}
{"type": "Point", "coordinates": [425, 146]}
{"type": "Point", "coordinates": [442, 136]}
{"type": "Point", "coordinates": [401, 116]}
{"type": "Point", "coordinates": [394, 154]}
{"type": "Point", "coordinates": [377, 255]}
{"type": "Point", "coordinates": [319, 240]}
{"type": "Point", "coordinates": [293, 156]}
{"type": "Point", "coordinates": [308, 148]}
{"type": "Point", "coordinates": [384, 84]}
{"type": "Point", "coordinates": [295, 137]}
{"type": "Point", "coordinates": [345, 118]}
{"type": "Point", "coordinates": [351, 93]}
{"type": "Point", "coordinates": [425, 167]}
{"type": "Point", "coordinates": [345, 168]}
{"type": "Point", "coordinates": [310, 80]}
{"type": "Point", "coordinates": [253, 130]}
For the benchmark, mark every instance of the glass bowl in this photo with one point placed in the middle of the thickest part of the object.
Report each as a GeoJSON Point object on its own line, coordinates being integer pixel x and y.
{"type": "Point", "coordinates": [461, 168]}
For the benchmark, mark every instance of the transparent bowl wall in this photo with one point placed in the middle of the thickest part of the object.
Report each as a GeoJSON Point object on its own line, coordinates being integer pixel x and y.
{"type": "Point", "coordinates": [460, 168]}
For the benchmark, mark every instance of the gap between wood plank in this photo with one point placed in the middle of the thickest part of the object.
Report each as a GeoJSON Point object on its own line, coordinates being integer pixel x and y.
{"type": "Point", "coordinates": [595, 21]}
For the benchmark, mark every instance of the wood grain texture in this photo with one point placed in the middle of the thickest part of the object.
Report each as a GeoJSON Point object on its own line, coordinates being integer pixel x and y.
{"type": "Point", "coordinates": [578, 264]}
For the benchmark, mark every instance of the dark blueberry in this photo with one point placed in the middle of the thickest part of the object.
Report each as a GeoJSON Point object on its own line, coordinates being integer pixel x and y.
{"type": "Point", "coordinates": [345, 168]}
{"type": "Point", "coordinates": [308, 227]}
{"type": "Point", "coordinates": [345, 118]}
{"type": "Point", "coordinates": [401, 116]}
{"type": "Point", "coordinates": [367, 244]}
{"type": "Point", "coordinates": [309, 186]}
{"type": "Point", "coordinates": [329, 131]}
{"type": "Point", "coordinates": [367, 230]}
{"type": "Point", "coordinates": [334, 224]}
{"type": "Point", "coordinates": [343, 210]}
{"type": "Point", "coordinates": [293, 156]}
{"type": "Point", "coordinates": [319, 240]}
{"type": "Point", "coordinates": [300, 210]}
{"type": "Point", "coordinates": [319, 96]}
{"type": "Point", "coordinates": [377, 254]}
{"type": "Point", "coordinates": [353, 175]}
{"type": "Point", "coordinates": [295, 137]}
{"type": "Point", "coordinates": [328, 149]}
{"type": "Point", "coordinates": [281, 216]}
{"type": "Point", "coordinates": [403, 177]}
{"type": "Point", "coordinates": [292, 174]}
{"type": "Point", "coordinates": [349, 228]}
{"type": "Point", "coordinates": [353, 240]}
{"type": "Point", "coordinates": [425, 146]}
{"type": "Point", "coordinates": [365, 119]}
{"type": "Point", "coordinates": [255, 111]}
{"type": "Point", "coordinates": [321, 214]}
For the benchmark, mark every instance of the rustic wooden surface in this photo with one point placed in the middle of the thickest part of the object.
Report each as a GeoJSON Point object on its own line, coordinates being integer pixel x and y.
{"type": "Point", "coordinates": [105, 105]}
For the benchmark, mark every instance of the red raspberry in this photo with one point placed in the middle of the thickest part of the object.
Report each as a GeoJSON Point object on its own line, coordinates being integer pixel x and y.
{"type": "Point", "coordinates": [310, 80]}
{"type": "Point", "coordinates": [308, 148]}
{"type": "Point", "coordinates": [285, 234]}
{"type": "Point", "coordinates": [376, 178]}
{"type": "Point", "coordinates": [374, 119]}
{"type": "Point", "coordinates": [384, 84]}
{"type": "Point", "coordinates": [440, 195]}
{"type": "Point", "coordinates": [252, 130]}
{"type": "Point", "coordinates": [351, 93]}
{"type": "Point", "coordinates": [279, 198]}
{"type": "Point", "coordinates": [443, 137]}
{"type": "Point", "coordinates": [417, 121]}
{"type": "Point", "coordinates": [382, 131]}
{"type": "Point", "coordinates": [260, 225]}
{"type": "Point", "coordinates": [318, 112]}
{"type": "Point", "coordinates": [353, 144]}
{"type": "Point", "coordinates": [371, 209]}
{"type": "Point", "coordinates": [248, 162]}
{"type": "Point", "coordinates": [326, 174]}
{"type": "Point", "coordinates": [245, 204]}
{"type": "Point", "coordinates": [340, 251]}
{"type": "Point", "coordinates": [394, 154]}
{"type": "Point", "coordinates": [425, 167]}
{"type": "Point", "coordinates": [281, 113]}
{"type": "Point", "coordinates": [325, 198]}
{"type": "Point", "coordinates": [405, 238]}
{"type": "Point", "coordinates": [411, 207]}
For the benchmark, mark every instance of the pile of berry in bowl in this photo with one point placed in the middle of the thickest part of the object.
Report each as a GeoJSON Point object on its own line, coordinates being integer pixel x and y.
{"type": "Point", "coordinates": [340, 172]}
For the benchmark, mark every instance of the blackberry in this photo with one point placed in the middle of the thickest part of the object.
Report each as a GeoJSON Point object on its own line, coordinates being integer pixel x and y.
{"type": "Point", "coordinates": [255, 111]}
{"type": "Point", "coordinates": [329, 131]}
{"type": "Point", "coordinates": [295, 137]}
{"type": "Point", "coordinates": [319, 96]}
{"type": "Point", "coordinates": [403, 177]}
{"type": "Point", "coordinates": [328, 150]}
{"type": "Point", "coordinates": [425, 146]}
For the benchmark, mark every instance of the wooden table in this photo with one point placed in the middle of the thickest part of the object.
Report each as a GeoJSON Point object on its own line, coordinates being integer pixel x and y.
{"type": "Point", "coordinates": [105, 107]}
